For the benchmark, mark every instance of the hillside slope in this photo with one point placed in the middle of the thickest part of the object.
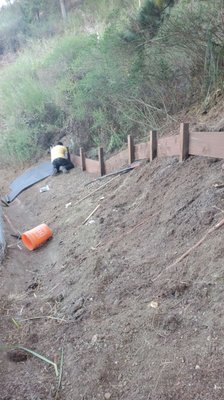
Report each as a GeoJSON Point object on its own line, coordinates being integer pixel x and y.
{"type": "Point", "coordinates": [99, 280]}
{"type": "Point", "coordinates": [116, 68]}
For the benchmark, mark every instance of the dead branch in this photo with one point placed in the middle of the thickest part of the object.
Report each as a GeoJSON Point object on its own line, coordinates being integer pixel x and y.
{"type": "Point", "coordinates": [118, 238]}
{"type": "Point", "coordinates": [90, 215]}
{"type": "Point", "coordinates": [196, 245]}
{"type": "Point", "coordinates": [120, 172]}
{"type": "Point", "coordinates": [94, 191]}
{"type": "Point", "coordinates": [43, 317]}
{"type": "Point", "coordinates": [11, 225]}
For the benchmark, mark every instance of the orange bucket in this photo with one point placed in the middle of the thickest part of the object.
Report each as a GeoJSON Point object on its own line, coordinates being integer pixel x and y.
{"type": "Point", "coordinates": [37, 236]}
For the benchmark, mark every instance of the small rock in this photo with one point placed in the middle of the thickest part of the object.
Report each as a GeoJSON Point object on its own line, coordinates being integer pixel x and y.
{"type": "Point", "coordinates": [154, 304]}
{"type": "Point", "coordinates": [78, 305]}
{"type": "Point", "coordinates": [94, 339]}
{"type": "Point", "coordinates": [107, 395]}
{"type": "Point", "coordinates": [33, 286]}
{"type": "Point", "coordinates": [79, 313]}
{"type": "Point", "coordinates": [59, 298]}
{"type": "Point", "coordinates": [120, 377]}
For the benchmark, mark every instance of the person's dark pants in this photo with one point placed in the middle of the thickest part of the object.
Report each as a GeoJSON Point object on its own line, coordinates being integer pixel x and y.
{"type": "Point", "coordinates": [62, 162]}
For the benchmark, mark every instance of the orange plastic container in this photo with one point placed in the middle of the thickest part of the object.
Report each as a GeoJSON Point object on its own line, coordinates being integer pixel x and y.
{"type": "Point", "coordinates": [37, 236]}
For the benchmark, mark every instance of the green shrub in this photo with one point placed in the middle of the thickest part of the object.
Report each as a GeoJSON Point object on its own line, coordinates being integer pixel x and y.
{"type": "Point", "coordinates": [17, 145]}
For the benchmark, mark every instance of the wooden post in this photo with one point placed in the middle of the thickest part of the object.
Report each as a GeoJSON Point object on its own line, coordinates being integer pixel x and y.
{"type": "Point", "coordinates": [83, 159]}
{"type": "Point", "coordinates": [184, 141]}
{"type": "Point", "coordinates": [101, 161]}
{"type": "Point", "coordinates": [153, 145]}
{"type": "Point", "coordinates": [131, 150]}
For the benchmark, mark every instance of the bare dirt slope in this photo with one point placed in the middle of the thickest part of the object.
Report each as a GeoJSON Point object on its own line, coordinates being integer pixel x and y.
{"type": "Point", "coordinates": [93, 286]}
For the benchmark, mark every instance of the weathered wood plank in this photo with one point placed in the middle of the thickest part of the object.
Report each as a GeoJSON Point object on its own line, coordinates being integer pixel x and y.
{"type": "Point", "coordinates": [168, 146]}
{"type": "Point", "coordinates": [117, 161]}
{"type": "Point", "coordinates": [76, 160]}
{"type": "Point", "coordinates": [142, 151]}
{"type": "Point", "coordinates": [210, 144]}
{"type": "Point", "coordinates": [92, 166]}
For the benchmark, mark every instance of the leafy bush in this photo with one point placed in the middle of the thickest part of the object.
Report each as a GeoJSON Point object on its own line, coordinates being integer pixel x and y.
{"type": "Point", "coordinates": [29, 114]}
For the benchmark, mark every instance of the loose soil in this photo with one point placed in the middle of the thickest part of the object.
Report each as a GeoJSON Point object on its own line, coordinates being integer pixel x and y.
{"type": "Point", "coordinates": [130, 327]}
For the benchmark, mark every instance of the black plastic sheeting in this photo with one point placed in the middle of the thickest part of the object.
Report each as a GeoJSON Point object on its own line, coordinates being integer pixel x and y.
{"type": "Point", "coordinates": [29, 178]}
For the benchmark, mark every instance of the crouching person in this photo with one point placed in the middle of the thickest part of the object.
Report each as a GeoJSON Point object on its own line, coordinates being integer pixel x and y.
{"type": "Point", "coordinates": [60, 159]}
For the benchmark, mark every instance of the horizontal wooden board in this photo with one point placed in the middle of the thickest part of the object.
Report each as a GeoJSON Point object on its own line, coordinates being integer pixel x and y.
{"type": "Point", "coordinates": [117, 161]}
{"type": "Point", "coordinates": [142, 151]}
{"type": "Point", "coordinates": [92, 166]}
{"type": "Point", "coordinates": [169, 146]}
{"type": "Point", "coordinates": [76, 160]}
{"type": "Point", "coordinates": [210, 144]}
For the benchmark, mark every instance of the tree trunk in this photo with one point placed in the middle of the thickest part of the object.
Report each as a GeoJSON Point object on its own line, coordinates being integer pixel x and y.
{"type": "Point", "coordinates": [63, 9]}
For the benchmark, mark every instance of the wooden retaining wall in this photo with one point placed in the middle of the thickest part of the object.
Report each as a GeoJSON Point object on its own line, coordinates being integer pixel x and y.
{"type": "Point", "coordinates": [2, 237]}
{"type": "Point", "coordinates": [208, 144]}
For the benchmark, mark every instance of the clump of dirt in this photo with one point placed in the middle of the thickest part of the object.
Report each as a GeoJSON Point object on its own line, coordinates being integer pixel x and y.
{"type": "Point", "coordinates": [129, 326]}
{"type": "Point", "coordinates": [17, 355]}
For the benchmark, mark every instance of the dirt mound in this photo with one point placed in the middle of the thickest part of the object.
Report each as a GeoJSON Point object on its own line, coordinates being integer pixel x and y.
{"type": "Point", "coordinates": [131, 326]}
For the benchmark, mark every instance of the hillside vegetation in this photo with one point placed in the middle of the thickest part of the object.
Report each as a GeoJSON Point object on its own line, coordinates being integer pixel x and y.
{"type": "Point", "coordinates": [103, 71]}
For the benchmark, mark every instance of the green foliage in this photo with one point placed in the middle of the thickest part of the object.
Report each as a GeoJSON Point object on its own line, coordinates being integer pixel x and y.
{"type": "Point", "coordinates": [31, 10]}
{"type": "Point", "coordinates": [18, 145]}
{"type": "Point", "coordinates": [115, 142]}
{"type": "Point", "coordinates": [24, 20]}
{"type": "Point", "coordinates": [30, 116]}
{"type": "Point", "coordinates": [196, 32]}
{"type": "Point", "coordinates": [12, 29]}
{"type": "Point", "coordinates": [150, 16]}
{"type": "Point", "coordinates": [148, 20]}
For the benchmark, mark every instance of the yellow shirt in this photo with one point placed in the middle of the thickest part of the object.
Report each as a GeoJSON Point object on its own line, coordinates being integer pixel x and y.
{"type": "Point", "coordinates": [58, 152]}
